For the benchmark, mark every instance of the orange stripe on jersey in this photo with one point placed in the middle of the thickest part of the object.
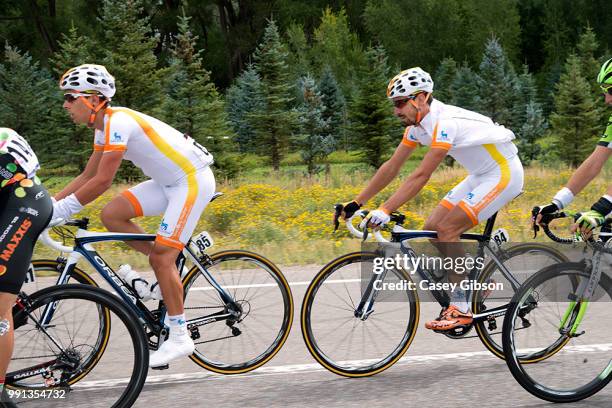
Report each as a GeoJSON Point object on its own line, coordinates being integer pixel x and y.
{"type": "Point", "coordinates": [447, 204]}
{"type": "Point", "coordinates": [503, 181]}
{"type": "Point", "coordinates": [134, 201]}
{"type": "Point", "coordinates": [115, 148]}
{"type": "Point", "coordinates": [470, 213]}
{"type": "Point", "coordinates": [98, 148]}
{"type": "Point", "coordinates": [178, 159]}
{"type": "Point", "coordinates": [406, 141]}
{"type": "Point", "coordinates": [169, 242]}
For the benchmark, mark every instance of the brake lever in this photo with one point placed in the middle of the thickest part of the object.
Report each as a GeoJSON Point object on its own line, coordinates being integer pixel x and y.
{"type": "Point", "coordinates": [534, 215]}
{"type": "Point", "coordinates": [338, 212]}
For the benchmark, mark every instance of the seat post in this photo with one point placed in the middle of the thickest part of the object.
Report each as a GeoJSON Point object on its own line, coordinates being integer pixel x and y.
{"type": "Point", "coordinates": [489, 226]}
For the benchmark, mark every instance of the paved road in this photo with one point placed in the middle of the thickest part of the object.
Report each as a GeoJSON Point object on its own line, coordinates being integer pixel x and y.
{"type": "Point", "coordinates": [436, 371]}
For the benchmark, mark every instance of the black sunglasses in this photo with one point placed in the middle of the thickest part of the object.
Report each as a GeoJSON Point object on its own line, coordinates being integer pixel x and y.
{"type": "Point", "coordinates": [399, 103]}
{"type": "Point", "coordinates": [607, 90]}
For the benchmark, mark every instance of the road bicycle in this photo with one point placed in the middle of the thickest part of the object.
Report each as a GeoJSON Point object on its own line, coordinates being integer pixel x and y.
{"type": "Point", "coordinates": [355, 330]}
{"type": "Point", "coordinates": [238, 305]}
{"type": "Point", "coordinates": [566, 303]}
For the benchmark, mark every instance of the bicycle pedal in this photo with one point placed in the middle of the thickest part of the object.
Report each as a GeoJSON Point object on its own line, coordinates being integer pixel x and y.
{"type": "Point", "coordinates": [161, 367]}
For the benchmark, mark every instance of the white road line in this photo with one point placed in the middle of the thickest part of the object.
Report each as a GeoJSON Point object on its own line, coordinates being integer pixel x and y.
{"type": "Point", "coordinates": [269, 285]}
{"type": "Point", "coordinates": [308, 368]}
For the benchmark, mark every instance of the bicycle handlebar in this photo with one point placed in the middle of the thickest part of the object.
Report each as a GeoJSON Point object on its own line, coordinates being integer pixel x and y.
{"type": "Point", "coordinates": [548, 218]}
{"type": "Point", "coordinates": [359, 234]}
{"type": "Point", "coordinates": [46, 239]}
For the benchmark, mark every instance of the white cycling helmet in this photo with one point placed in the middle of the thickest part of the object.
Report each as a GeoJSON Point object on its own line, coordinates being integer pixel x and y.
{"type": "Point", "coordinates": [410, 82]}
{"type": "Point", "coordinates": [89, 78]}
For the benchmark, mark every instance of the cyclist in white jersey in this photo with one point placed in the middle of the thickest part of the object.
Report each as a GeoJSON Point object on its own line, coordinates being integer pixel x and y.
{"type": "Point", "coordinates": [483, 147]}
{"type": "Point", "coordinates": [180, 187]}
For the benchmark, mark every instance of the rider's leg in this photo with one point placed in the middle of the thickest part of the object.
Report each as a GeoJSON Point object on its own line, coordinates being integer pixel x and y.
{"type": "Point", "coordinates": [187, 201]}
{"type": "Point", "coordinates": [145, 199]}
{"type": "Point", "coordinates": [7, 300]}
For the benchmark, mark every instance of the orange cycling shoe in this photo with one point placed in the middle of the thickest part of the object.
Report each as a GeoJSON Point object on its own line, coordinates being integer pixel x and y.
{"type": "Point", "coordinates": [449, 319]}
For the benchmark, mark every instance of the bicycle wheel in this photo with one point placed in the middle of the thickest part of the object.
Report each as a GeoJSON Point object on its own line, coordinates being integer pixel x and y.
{"type": "Point", "coordinates": [254, 329]}
{"type": "Point", "coordinates": [60, 353]}
{"type": "Point", "coordinates": [522, 260]}
{"type": "Point", "coordinates": [536, 322]}
{"type": "Point", "coordinates": [342, 341]}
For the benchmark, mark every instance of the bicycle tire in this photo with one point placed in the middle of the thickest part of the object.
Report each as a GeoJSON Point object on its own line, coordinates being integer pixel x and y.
{"type": "Point", "coordinates": [110, 304]}
{"type": "Point", "coordinates": [232, 259]}
{"type": "Point", "coordinates": [530, 384]}
{"type": "Point", "coordinates": [322, 355]}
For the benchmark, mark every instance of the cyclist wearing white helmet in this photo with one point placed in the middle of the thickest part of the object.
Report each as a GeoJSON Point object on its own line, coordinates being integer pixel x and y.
{"type": "Point", "coordinates": [587, 171]}
{"type": "Point", "coordinates": [181, 185]}
{"type": "Point", "coordinates": [483, 147]}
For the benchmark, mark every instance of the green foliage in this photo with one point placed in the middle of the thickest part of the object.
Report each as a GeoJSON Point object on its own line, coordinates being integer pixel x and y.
{"type": "Point", "coordinates": [497, 83]}
{"type": "Point", "coordinates": [574, 121]}
{"type": "Point", "coordinates": [26, 92]}
{"type": "Point", "coordinates": [334, 108]}
{"type": "Point", "coordinates": [464, 89]}
{"type": "Point", "coordinates": [245, 97]}
{"type": "Point", "coordinates": [273, 124]}
{"type": "Point", "coordinates": [193, 104]}
{"type": "Point", "coordinates": [337, 46]}
{"type": "Point", "coordinates": [372, 125]}
{"type": "Point", "coordinates": [129, 57]}
{"type": "Point", "coordinates": [443, 80]}
{"type": "Point", "coordinates": [314, 141]}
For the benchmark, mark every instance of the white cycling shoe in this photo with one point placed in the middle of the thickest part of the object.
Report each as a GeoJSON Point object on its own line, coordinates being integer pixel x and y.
{"type": "Point", "coordinates": [173, 348]}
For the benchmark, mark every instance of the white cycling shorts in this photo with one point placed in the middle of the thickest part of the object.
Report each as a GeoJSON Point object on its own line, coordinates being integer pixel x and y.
{"type": "Point", "coordinates": [482, 195]}
{"type": "Point", "coordinates": [181, 204]}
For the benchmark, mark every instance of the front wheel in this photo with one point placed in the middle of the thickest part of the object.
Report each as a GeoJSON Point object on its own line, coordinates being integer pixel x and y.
{"type": "Point", "coordinates": [540, 319]}
{"type": "Point", "coordinates": [54, 354]}
{"type": "Point", "coordinates": [242, 336]}
{"type": "Point", "coordinates": [347, 339]}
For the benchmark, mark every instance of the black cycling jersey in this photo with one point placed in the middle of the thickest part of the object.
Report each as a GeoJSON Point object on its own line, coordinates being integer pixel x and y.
{"type": "Point", "coordinates": [25, 211]}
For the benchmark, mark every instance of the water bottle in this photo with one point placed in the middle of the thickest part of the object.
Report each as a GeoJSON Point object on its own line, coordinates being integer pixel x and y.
{"type": "Point", "coordinates": [133, 278]}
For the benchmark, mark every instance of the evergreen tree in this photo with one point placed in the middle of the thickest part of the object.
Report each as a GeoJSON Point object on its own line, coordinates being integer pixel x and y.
{"type": "Point", "coordinates": [530, 132]}
{"type": "Point", "coordinates": [334, 108]}
{"type": "Point", "coordinates": [72, 142]}
{"type": "Point", "coordinates": [244, 98]}
{"type": "Point", "coordinates": [444, 79]}
{"type": "Point", "coordinates": [372, 124]}
{"type": "Point", "coordinates": [464, 89]}
{"type": "Point", "coordinates": [589, 66]}
{"type": "Point", "coordinates": [26, 93]}
{"type": "Point", "coordinates": [313, 143]}
{"type": "Point", "coordinates": [497, 85]}
{"type": "Point", "coordinates": [334, 44]}
{"type": "Point", "coordinates": [129, 55]}
{"type": "Point", "coordinates": [274, 124]}
{"type": "Point", "coordinates": [193, 104]}
{"type": "Point", "coordinates": [299, 51]}
{"type": "Point", "coordinates": [574, 121]}
{"type": "Point", "coordinates": [529, 122]}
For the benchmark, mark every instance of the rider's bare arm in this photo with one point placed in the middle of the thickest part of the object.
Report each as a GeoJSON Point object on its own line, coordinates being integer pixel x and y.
{"type": "Point", "coordinates": [386, 173]}
{"type": "Point", "coordinates": [103, 179]}
{"type": "Point", "coordinates": [90, 171]}
{"type": "Point", "coordinates": [589, 169]}
{"type": "Point", "coordinates": [417, 179]}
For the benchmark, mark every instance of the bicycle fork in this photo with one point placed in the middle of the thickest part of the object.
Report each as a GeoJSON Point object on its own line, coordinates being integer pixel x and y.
{"type": "Point", "coordinates": [579, 302]}
{"type": "Point", "coordinates": [366, 304]}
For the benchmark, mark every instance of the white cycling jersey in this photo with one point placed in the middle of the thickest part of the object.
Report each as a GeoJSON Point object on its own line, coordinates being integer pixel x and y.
{"type": "Point", "coordinates": [160, 151]}
{"type": "Point", "coordinates": [483, 147]}
{"type": "Point", "coordinates": [463, 133]}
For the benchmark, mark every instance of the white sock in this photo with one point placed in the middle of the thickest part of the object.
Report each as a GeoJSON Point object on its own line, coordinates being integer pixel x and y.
{"type": "Point", "coordinates": [178, 325]}
{"type": "Point", "coordinates": [458, 298]}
